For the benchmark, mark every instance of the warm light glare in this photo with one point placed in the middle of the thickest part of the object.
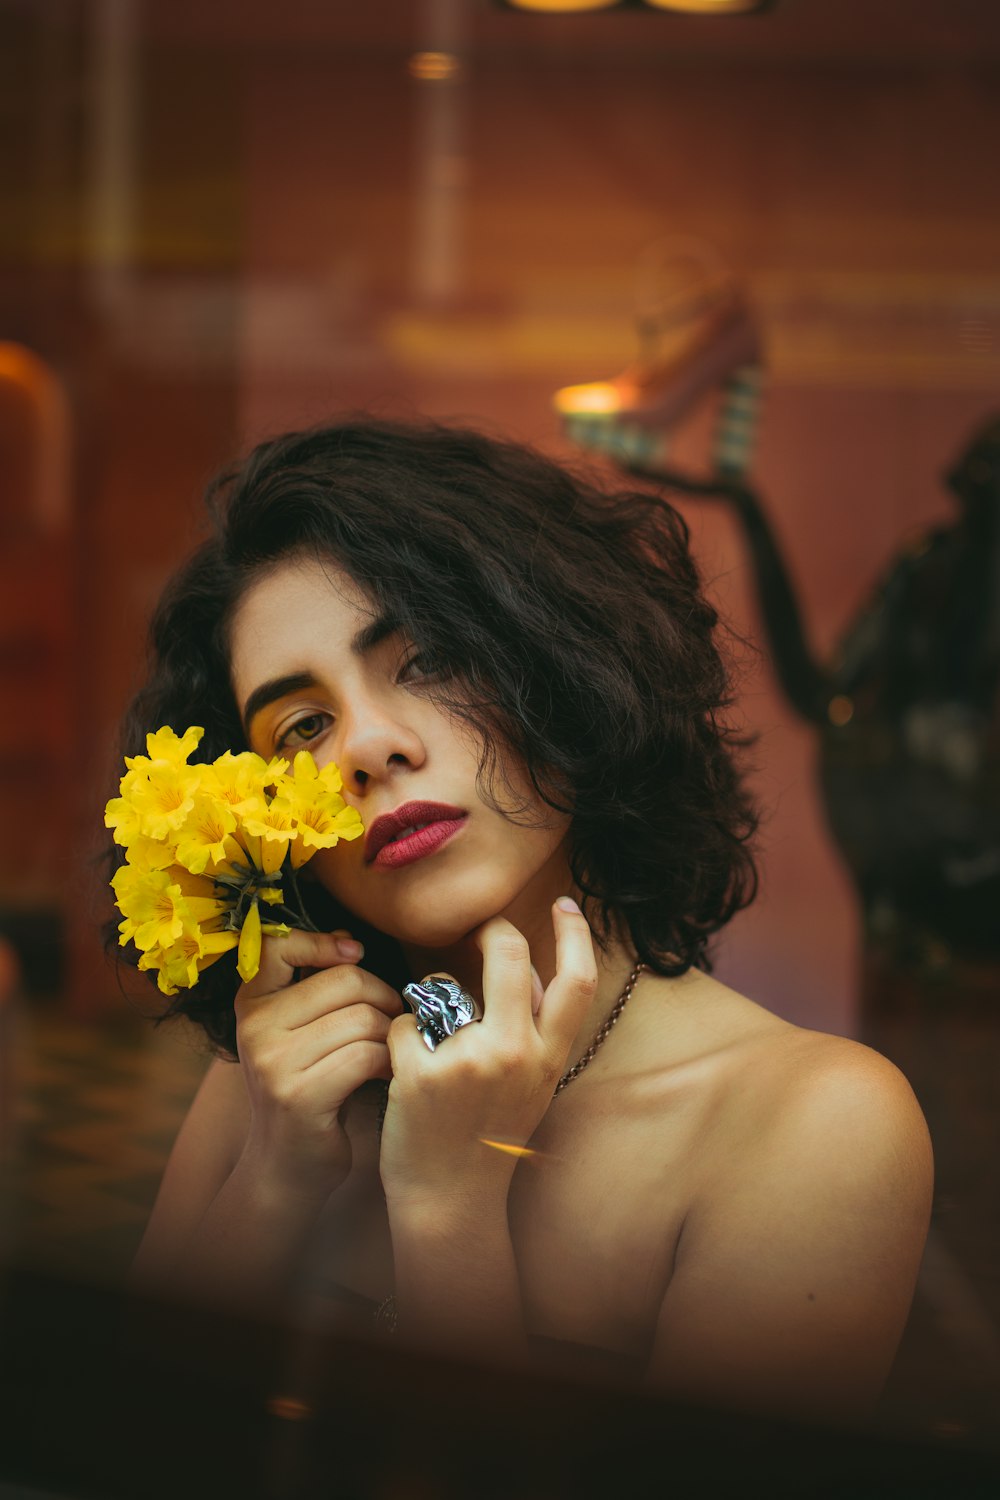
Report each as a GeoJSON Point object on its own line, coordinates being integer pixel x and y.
{"type": "Point", "coordinates": [433, 67]}
{"type": "Point", "coordinates": [688, 7]}
{"type": "Point", "coordinates": [507, 1148]}
{"type": "Point", "coordinates": [563, 6]}
{"type": "Point", "coordinates": [706, 7]}
{"type": "Point", "coordinates": [289, 1407]}
{"type": "Point", "coordinates": [599, 399]}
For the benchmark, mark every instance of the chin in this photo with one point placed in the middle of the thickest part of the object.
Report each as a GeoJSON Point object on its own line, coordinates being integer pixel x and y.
{"type": "Point", "coordinates": [439, 929]}
{"type": "Point", "coordinates": [439, 923]}
{"type": "Point", "coordinates": [445, 903]}
{"type": "Point", "coordinates": [435, 935]}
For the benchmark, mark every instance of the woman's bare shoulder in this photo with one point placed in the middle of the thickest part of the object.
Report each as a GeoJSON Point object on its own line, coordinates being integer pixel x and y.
{"type": "Point", "coordinates": [806, 1221]}
{"type": "Point", "coordinates": [766, 1081]}
{"type": "Point", "coordinates": [802, 1094]}
{"type": "Point", "coordinates": [813, 1072]}
{"type": "Point", "coordinates": [840, 1096]}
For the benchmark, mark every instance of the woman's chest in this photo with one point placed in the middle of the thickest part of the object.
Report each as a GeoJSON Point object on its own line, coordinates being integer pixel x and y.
{"type": "Point", "coordinates": [595, 1219]}
{"type": "Point", "coordinates": [594, 1213]}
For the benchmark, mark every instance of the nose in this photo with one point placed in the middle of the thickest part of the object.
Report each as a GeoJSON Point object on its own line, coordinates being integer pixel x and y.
{"type": "Point", "coordinates": [376, 745]}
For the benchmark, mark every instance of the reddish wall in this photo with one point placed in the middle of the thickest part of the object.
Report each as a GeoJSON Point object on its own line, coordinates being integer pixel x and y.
{"type": "Point", "coordinates": [277, 276]}
{"type": "Point", "coordinates": [854, 198]}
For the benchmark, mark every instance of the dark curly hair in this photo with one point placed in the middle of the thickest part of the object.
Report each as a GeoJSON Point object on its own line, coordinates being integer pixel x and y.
{"type": "Point", "coordinates": [574, 631]}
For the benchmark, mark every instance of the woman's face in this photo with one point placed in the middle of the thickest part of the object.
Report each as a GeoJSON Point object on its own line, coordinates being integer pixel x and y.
{"type": "Point", "coordinates": [314, 668]}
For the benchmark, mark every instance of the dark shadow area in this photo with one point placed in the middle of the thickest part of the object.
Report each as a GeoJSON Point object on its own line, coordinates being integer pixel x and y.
{"type": "Point", "coordinates": [157, 1401]}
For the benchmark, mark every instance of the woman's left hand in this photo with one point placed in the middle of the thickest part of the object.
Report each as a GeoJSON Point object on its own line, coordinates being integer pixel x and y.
{"type": "Point", "coordinates": [491, 1082]}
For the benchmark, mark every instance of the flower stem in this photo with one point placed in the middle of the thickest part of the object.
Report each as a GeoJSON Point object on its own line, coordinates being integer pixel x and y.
{"type": "Point", "coordinates": [307, 925]}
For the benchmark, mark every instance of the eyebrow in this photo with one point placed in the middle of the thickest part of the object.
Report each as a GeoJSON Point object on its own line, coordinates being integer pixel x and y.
{"type": "Point", "coordinates": [366, 639]}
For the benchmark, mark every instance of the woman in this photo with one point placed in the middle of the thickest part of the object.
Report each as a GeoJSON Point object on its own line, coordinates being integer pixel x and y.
{"type": "Point", "coordinates": [517, 678]}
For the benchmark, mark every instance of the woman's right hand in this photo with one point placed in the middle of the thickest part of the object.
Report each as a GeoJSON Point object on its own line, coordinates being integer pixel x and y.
{"type": "Point", "coordinates": [304, 1048]}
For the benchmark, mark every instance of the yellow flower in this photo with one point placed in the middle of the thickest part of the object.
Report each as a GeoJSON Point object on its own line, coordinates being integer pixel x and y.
{"type": "Point", "coordinates": [156, 795]}
{"type": "Point", "coordinates": [165, 749]}
{"type": "Point", "coordinates": [203, 835]}
{"type": "Point", "coordinates": [321, 816]}
{"type": "Point", "coordinates": [248, 957]}
{"type": "Point", "coordinates": [233, 860]}
{"type": "Point", "coordinates": [150, 854]}
{"type": "Point", "coordinates": [240, 780]}
{"type": "Point", "coordinates": [308, 781]}
{"type": "Point", "coordinates": [205, 899]}
{"type": "Point", "coordinates": [156, 908]}
{"type": "Point", "coordinates": [276, 768]}
{"type": "Point", "coordinates": [274, 827]}
{"type": "Point", "coordinates": [153, 905]}
{"type": "Point", "coordinates": [165, 798]}
{"type": "Point", "coordinates": [206, 844]}
{"type": "Point", "coordinates": [122, 815]}
{"type": "Point", "coordinates": [180, 965]}
{"type": "Point", "coordinates": [130, 884]}
{"type": "Point", "coordinates": [321, 825]}
{"type": "Point", "coordinates": [166, 745]}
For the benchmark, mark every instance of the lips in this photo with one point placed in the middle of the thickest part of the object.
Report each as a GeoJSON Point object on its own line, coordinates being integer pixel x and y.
{"type": "Point", "coordinates": [390, 826]}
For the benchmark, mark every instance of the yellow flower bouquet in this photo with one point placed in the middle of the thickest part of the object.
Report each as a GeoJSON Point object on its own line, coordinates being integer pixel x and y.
{"type": "Point", "coordinates": [207, 844]}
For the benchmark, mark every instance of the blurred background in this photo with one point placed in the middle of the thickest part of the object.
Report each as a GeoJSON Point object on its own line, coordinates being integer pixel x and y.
{"type": "Point", "coordinates": [222, 221]}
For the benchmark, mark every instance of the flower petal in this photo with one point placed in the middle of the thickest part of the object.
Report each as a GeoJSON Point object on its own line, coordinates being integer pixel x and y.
{"type": "Point", "coordinates": [165, 744]}
{"type": "Point", "coordinates": [248, 957]}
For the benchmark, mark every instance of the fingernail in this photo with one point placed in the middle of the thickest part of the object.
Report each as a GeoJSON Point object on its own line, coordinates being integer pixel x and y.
{"type": "Point", "coordinates": [566, 903]}
{"type": "Point", "coordinates": [348, 948]}
{"type": "Point", "coordinates": [537, 991]}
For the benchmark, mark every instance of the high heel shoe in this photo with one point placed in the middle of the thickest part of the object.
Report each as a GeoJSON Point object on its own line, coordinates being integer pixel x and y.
{"type": "Point", "coordinates": [697, 335]}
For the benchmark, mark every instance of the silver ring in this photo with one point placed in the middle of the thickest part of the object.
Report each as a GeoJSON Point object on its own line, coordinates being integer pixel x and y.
{"type": "Point", "coordinates": [441, 1007]}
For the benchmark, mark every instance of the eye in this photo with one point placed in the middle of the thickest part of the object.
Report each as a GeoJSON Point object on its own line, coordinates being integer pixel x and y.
{"type": "Point", "coordinates": [309, 727]}
{"type": "Point", "coordinates": [420, 665]}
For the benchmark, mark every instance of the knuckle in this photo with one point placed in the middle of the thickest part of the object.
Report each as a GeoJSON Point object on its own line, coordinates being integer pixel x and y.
{"type": "Point", "coordinates": [336, 977]}
{"type": "Point", "coordinates": [508, 1061]}
{"type": "Point", "coordinates": [379, 1054]}
{"type": "Point", "coordinates": [464, 1069]}
{"type": "Point", "coordinates": [372, 1020]}
{"type": "Point", "coordinates": [511, 945]}
{"type": "Point", "coordinates": [493, 925]}
{"type": "Point", "coordinates": [366, 1054]}
{"type": "Point", "coordinates": [399, 1026]}
{"type": "Point", "coordinates": [287, 1090]}
{"type": "Point", "coordinates": [478, 1065]}
{"type": "Point", "coordinates": [265, 1057]}
{"type": "Point", "coordinates": [270, 1067]}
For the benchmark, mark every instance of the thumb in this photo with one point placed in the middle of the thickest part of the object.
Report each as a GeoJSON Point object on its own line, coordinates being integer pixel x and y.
{"type": "Point", "coordinates": [283, 956]}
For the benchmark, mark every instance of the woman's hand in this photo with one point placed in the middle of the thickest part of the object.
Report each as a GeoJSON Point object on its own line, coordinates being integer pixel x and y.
{"type": "Point", "coordinates": [304, 1048]}
{"type": "Point", "coordinates": [491, 1082]}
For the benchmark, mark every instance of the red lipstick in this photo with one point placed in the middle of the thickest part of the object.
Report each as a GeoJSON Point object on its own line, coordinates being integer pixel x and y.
{"type": "Point", "coordinates": [410, 832]}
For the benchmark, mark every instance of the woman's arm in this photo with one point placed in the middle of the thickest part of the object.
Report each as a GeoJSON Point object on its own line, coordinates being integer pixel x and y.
{"type": "Point", "coordinates": [456, 1120]}
{"type": "Point", "coordinates": [264, 1147]}
{"type": "Point", "coordinates": [796, 1267]}
{"type": "Point", "coordinates": [221, 1230]}
{"type": "Point", "coordinates": [204, 1154]}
